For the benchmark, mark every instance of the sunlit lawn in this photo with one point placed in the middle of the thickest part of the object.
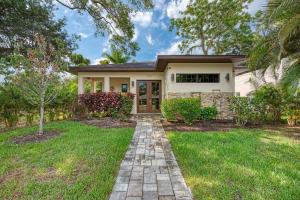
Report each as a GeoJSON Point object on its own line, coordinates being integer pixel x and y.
{"type": "Point", "coordinates": [241, 164]}
{"type": "Point", "coordinates": [82, 163]}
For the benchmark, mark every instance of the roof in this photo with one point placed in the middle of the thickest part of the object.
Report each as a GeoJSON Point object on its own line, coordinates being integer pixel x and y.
{"type": "Point", "coordinates": [160, 64]}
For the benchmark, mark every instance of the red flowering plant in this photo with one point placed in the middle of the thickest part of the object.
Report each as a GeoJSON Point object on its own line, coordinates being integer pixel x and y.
{"type": "Point", "coordinates": [111, 102]}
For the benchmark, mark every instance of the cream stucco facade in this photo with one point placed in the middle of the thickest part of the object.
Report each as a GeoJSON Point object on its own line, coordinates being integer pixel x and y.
{"type": "Point", "coordinates": [113, 80]}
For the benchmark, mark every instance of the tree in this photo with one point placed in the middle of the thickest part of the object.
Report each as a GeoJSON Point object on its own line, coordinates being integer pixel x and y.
{"type": "Point", "coordinates": [38, 73]}
{"type": "Point", "coordinates": [116, 56]}
{"type": "Point", "coordinates": [21, 19]}
{"type": "Point", "coordinates": [79, 60]}
{"type": "Point", "coordinates": [113, 18]}
{"type": "Point", "coordinates": [279, 43]}
{"type": "Point", "coordinates": [104, 62]}
{"type": "Point", "coordinates": [218, 27]}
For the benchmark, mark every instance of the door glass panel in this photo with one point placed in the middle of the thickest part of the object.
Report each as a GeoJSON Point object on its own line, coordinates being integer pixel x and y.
{"type": "Point", "coordinates": [155, 96]}
{"type": "Point", "coordinates": [142, 87]}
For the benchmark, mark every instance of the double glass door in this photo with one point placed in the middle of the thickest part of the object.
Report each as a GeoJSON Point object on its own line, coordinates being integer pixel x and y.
{"type": "Point", "coordinates": [148, 96]}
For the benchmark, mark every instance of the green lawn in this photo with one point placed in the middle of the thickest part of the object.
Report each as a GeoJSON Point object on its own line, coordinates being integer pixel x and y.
{"type": "Point", "coordinates": [241, 164]}
{"type": "Point", "coordinates": [82, 163]}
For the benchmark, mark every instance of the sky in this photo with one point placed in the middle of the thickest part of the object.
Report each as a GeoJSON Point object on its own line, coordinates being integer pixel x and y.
{"type": "Point", "coordinates": [151, 30]}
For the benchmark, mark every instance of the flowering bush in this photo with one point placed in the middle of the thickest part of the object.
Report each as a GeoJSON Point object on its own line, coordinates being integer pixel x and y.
{"type": "Point", "coordinates": [111, 102]}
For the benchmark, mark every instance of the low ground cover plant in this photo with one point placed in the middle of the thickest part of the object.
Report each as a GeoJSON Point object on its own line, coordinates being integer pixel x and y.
{"type": "Point", "coordinates": [188, 110]}
{"type": "Point", "coordinates": [112, 104]}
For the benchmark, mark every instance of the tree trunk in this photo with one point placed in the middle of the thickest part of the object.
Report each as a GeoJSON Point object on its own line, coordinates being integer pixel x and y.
{"type": "Point", "coordinates": [41, 126]}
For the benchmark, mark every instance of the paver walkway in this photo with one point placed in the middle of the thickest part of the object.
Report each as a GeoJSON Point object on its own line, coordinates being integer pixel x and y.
{"type": "Point", "coordinates": [149, 170]}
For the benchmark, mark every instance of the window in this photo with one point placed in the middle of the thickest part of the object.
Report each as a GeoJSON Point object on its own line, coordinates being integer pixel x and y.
{"type": "Point", "coordinates": [197, 78]}
{"type": "Point", "coordinates": [124, 87]}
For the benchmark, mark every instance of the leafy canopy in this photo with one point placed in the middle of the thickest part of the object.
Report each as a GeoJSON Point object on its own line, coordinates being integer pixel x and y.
{"type": "Point", "coordinates": [112, 18]}
{"type": "Point", "coordinates": [278, 47]}
{"type": "Point", "coordinates": [219, 27]}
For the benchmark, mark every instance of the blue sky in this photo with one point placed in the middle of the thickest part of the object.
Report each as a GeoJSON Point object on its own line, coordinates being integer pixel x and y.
{"type": "Point", "coordinates": [151, 30]}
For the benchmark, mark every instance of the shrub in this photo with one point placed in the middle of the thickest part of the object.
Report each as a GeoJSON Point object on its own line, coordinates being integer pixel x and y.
{"type": "Point", "coordinates": [270, 101]}
{"type": "Point", "coordinates": [79, 111]}
{"type": "Point", "coordinates": [113, 104]}
{"type": "Point", "coordinates": [292, 108]}
{"type": "Point", "coordinates": [186, 109]}
{"type": "Point", "coordinates": [208, 113]}
{"type": "Point", "coordinates": [242, 109]}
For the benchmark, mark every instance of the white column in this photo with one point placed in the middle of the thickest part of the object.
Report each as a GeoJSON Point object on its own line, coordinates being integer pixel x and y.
{"type": "Point", "coordinates": [133, 90]}
{"type": "Point", "coordinates": [106, 84]}
{"type": "Point", "coordinates": [80, 85]}
{"type": "Point", "coordinates": [94, 85]}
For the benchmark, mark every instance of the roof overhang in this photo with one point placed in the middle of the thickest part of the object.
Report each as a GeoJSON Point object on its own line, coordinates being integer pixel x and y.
{"type": "Point", "coordinates": [161, 63]}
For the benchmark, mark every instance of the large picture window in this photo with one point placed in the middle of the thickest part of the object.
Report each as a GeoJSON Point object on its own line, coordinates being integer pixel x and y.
{"type": "Point", "coordinates": [197, 78]}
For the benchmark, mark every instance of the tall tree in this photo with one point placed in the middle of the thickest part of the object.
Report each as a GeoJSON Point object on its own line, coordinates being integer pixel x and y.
{"type": "Point", "coordinates": [213, 26]}
{"type": "Point", "coordinates": [113, 18]}
{"type": "Point", "coordinates": [38, 73]}
{"type": "Point", "coordinates": [278, 46]}
{"type": "Point", "coordinates": [79, 60]}
{"type": "Point", "coordinates": [116, 56]}
{"type": "Point", "coordinates": [21, 19]}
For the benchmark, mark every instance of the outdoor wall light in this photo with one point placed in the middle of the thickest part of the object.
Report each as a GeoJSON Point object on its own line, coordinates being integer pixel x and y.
{"type": "Point", "coordinates": [172, 77]}
{"type": "Point", "coordinates": [227, 77]}
{"type": "Point", "coordinates": [132, 83]}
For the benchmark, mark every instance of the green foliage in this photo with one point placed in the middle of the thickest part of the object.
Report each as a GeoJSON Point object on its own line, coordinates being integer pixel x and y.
{"type": "Point", "coordinates": [222, 27]}
{"type": "Point", "coordinates": [278, 42]}
{"type": "Point", "coordinates": [113, 18]}
{"type": "Point", "coordinates": [292, 107]}
{"type": "Point", "coordinates": [242, 110]}
{"type": "Point", "coordinates": [78, 60]}
{"type": "Point", "coordinates": [20, 19]}
{"type": "Point", "coordinates": [126, 106]}
{"type": "Point", "coordinates": [186, 109]}
{"type": "Point", "coordinates": [10, 104]}
{"type": "Point", "coordinates": [270, 98]}
{"type": "Point", "coordinates": [116, 56]}
{"type": "Point", "coordinates": [208, 113]}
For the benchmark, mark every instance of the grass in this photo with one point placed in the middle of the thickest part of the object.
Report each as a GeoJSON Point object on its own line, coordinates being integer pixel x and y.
{"type": "Point", "coordinates": [82, 163]}
{"type": "Point", "coordinates": [241, 164]}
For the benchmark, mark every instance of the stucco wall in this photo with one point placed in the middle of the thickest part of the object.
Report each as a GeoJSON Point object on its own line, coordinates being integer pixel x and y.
{"type": "Point", "coordinates": [134, 76]}
{"type": "Point", "coordinates": [221, 68]}
{"type": "Point", "coordinates": [116, 83]}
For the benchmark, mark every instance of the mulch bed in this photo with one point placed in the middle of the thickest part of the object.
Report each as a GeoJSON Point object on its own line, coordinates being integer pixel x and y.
{"type": "Point", "coordinates": [216, 125]}
{"type": "Point", "coordinates": [35, 137]}
{"type": "Point", "coordinates": [108, 122]}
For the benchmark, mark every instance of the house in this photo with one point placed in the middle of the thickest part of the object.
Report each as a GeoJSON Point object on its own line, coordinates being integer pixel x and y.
{"type": "Point", "coordinates": [212, 78]}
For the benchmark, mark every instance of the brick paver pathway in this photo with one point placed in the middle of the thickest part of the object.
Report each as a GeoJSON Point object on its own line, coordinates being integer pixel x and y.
{"type": "Point", "coordinates": [149, 170]}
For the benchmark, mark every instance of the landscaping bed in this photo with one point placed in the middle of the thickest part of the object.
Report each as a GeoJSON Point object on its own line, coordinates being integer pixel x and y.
{"type": "Point", "coordinates": [35, 137]}
{"type": "Point", "coordinates": [109, 122]}
{"type": "Point", "coordinates": [82, 163]}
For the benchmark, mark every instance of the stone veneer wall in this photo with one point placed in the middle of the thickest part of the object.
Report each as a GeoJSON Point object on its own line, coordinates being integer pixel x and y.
{"type": "Point", "coordinates": [219, 99]}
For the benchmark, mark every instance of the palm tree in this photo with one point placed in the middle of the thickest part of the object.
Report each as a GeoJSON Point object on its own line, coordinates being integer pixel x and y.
{"type": "Point", "coordinates": [116, 56]}
{"type": "Point", "coordinates": [279, 42]}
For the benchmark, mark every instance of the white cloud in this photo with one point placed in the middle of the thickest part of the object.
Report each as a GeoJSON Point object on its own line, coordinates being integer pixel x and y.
{"type": "Point", "coordinates": [144, 19]}
{"type": "Point", "coordinates": [149, 39]}
{"type": "Point", "coordinates": [172, 50]}
{"type": "Point", "coordinates": [136, 34]}
{"type": "Point", "coordinates": [175, 7]}
{"type": "Point", "coordinates": [83, 35]}
{"type": "Point", "coordinates": [159, 4]}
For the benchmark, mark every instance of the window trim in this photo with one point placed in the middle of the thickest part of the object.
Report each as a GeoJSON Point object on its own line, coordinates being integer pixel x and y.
{"type": "Point", "coordinates": [219, 77]}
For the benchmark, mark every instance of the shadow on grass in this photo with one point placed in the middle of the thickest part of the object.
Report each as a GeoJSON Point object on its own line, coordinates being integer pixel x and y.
{"type": "Point", "coordinates": [240, 164]}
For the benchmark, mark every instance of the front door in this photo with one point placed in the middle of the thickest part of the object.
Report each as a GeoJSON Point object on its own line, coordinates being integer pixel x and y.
{"type": "Point", "coordinates": [148, 96]}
